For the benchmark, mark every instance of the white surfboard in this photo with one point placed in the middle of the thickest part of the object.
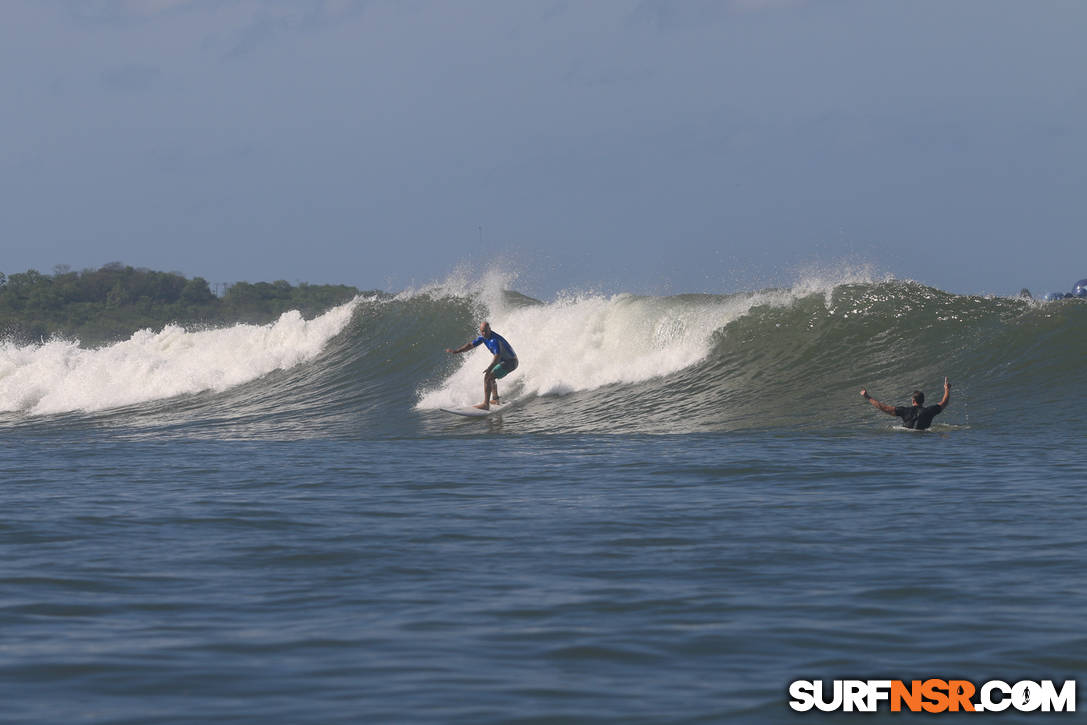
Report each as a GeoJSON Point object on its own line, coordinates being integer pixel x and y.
{"type": "Point", "coordinates": [470, 412]}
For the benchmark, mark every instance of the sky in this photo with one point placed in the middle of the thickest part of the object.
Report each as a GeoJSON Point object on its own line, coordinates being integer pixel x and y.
{"type": "Point", "coordinates": [616, 145]}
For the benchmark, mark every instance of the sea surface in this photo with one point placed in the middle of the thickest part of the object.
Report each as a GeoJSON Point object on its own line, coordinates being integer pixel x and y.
{"type": "Point", "coordinates": [683, 507]}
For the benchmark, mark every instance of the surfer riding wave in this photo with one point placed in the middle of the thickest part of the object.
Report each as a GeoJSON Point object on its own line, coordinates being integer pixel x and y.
{"type": "Point", "coordinates": [503, 363]}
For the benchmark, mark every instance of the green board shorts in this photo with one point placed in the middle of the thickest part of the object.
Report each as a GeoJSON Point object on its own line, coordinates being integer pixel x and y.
{"type": "Point", "coordinates": [504, 368]}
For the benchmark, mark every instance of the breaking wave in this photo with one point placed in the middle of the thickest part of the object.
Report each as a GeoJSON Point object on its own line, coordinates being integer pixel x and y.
{"type": "Point", "coordinates": [766, 359]}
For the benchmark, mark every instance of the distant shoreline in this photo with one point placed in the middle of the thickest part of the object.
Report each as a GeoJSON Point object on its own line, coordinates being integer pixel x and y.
{"type": "Point", "coordinates": [98, 306]}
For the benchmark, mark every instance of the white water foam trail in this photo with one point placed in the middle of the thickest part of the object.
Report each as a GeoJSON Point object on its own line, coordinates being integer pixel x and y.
{"type": "Point", "coordinates": [585, 342]}
{"type": "Point", "coordinates": [59, 376]}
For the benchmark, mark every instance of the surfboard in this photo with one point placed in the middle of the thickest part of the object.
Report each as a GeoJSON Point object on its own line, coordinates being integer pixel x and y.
{"type": "Point", "coordinates": [470, 412]}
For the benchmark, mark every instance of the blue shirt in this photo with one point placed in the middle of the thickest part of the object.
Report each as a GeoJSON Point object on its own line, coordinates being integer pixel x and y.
{"type": "Point", "coordinates": [497, 345]}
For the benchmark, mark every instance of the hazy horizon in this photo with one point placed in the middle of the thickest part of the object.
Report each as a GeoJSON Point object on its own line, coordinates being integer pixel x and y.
{"type": "Point", "coordinates": [630, 145]}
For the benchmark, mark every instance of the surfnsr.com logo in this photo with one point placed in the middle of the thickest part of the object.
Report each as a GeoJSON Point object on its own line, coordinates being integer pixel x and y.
{"type": "Point", "coordinates": [932, 695]}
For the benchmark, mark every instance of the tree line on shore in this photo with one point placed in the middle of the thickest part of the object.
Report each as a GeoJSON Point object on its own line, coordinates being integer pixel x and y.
{"type": "Point", "coordinates": [106, 304]}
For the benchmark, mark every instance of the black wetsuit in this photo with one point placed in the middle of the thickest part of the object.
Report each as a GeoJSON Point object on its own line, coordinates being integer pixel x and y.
{"type": "Point", "coordinates": [914, 416]}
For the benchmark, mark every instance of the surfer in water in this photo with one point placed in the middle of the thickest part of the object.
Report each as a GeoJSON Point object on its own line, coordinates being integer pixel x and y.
{"type": "Point", "coordinates": [503, 363]}
{"type": "Point", "coordinates": [917, 415]}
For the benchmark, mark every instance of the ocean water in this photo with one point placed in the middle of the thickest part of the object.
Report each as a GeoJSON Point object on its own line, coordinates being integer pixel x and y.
{"type": "Point", "coordinates": [683, 507]}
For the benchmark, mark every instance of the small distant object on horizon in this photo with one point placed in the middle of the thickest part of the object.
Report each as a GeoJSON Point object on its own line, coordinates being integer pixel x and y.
{"type": "Point", "coordinates": [1079, 290]}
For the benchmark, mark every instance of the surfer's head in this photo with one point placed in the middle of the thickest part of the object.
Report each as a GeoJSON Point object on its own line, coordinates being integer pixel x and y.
{"type": "Point", "coordinates": [485, 329]}
{"type": "Point", "coordinates": [918, 397]}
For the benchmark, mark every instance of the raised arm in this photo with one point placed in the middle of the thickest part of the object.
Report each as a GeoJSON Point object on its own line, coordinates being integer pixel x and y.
{"type": "Point", "coordinates": [947, 394]}
{"type": "Point", "coordinates": [888, 409]}
{"type": "Point", "coordinates": [463, 348]}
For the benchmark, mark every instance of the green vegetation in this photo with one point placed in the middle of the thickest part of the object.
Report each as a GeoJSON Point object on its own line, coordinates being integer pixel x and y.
{"type": "Point", "coordinates": [110, 303]}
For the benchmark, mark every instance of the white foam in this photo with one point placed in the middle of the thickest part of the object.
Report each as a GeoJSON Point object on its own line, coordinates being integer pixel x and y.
{"type": "Point", "coordinates": [585, 342]}
{"type": "Point", "coordinates": [59, 376]}
{"type": "Point", "coordinates": [488, 288]}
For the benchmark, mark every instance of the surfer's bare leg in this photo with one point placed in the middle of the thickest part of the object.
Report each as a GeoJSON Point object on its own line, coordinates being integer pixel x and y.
{"type": "Point", "coordinates": [488, 381]}
{"type": "Point", "coordinates": [494, 392]}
